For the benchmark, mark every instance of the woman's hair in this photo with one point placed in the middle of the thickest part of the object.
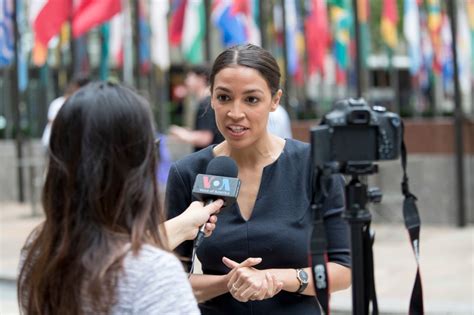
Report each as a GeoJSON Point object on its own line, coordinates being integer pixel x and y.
{"type": "Point", "coordinates": [100, 199]}
{"type": "Point", "coordinates": [250, 56]}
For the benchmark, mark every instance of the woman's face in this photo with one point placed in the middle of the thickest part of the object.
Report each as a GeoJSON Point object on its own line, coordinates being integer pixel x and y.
{"type": "Point", "coordinates": [242, 101]}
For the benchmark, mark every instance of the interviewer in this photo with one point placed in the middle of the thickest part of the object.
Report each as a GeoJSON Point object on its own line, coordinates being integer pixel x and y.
{"type": "Point", "coordinates": [103, 245]}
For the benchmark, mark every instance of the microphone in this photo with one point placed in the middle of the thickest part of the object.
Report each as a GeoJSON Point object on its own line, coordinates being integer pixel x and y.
{"type": "Point", "coordinates": [219, 182]}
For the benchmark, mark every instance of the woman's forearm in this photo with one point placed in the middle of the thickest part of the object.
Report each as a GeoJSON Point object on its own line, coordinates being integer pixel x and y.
{"type": "Point", "coordinates": [206, 287]}
{"type": "Point", "coordinates": [175, 232]}
{"type": "Point", "coordinates": [339, 278]}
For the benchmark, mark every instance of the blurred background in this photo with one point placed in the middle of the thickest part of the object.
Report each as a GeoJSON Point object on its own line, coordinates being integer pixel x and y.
{"type": "Point", "coordinates": [415, 57]}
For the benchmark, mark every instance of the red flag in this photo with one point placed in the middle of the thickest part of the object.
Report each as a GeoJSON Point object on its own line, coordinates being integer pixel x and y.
{"type": "Point", "coordinates": [91, 13]}
{"type": "Point", "coordinates": [388, 25]}
{"type": "Point", "coordinates": [178, 7]}
{"type": "Point", "coordinates": [317, 36]}
{"type": "Point", "coordinates": [49, 20]}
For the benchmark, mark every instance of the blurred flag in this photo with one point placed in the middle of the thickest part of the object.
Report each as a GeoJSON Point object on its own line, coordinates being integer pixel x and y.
{"type": "Point", "coordinates": [23, 28]}
{"type": "Point", "coordinates": [178, 8]}
{"type": "Point", "coordinates": [144, 34]}
{"type": "Point", "coordinates": [341, 22]}
{"type": "Point", "coordinates": [104, 51]}
{"type": "Point", "coordinates": [194, 29]}
{"type": "Point", "coordinates": [363, 9]}
{"type": "Point", "coordinates": [445, 54]}
{"type": "Point", "coordinates": [388, 25]}
{"type": "Point", "coordinates": [7, 39]}
{"type": "Point", "coordinates": [229, 22]}
{"type": "Point", "coordinates": [291, 40]}
{"type": "Point", "coordinates": [434, 23]}
{"type": "Point", "coordinates": [160, 54]}
{"type": "Point", "coordinates": [248, 10]}
{"type": "Point", "coordinates": [317, 36]}
{"type": "Point", "coordinates": [91, 13]}
{"type": "Point", "coordinates": [411, 30]}
{"type": "Point", "coordinates": [463, 42]}
{"type": "Point", "coordinates": [47, 24]}
{"type": "Point", "coordinates": [116, 40]}
{"type": "Point", "coordinates": [470, 14]}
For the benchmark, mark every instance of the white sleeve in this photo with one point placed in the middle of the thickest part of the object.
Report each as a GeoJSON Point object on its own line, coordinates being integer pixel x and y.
{"type": "Point", "coordinates": [164, 288]}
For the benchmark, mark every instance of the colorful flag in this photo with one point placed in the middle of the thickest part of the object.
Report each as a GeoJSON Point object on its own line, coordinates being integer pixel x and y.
{"type": "Point", "coordinates": [50, 19]}
{"type": "Point", "coordinates": [23, 28]}
{"type": "Point", "coordinates": [434, 23]}
{"type": "Point", "coordinates": [47, 24]}
{"type": "Point", "coordinates": [470, 14]}
{"type": "Point", "coordinates": [388, 25]}
{"type": "Point", "coordinates": [411, 30]}
{"type": "Point", "coordinates": [291, 33]}
{"type": "Point", "coordinates": [341, 23]}
{"type": "Point", "coordinates": [104, 51]}
{"type": "Point", "coordinates": [229, 22]}
{"type": "Point", "coordinates": [7, 39]}
{"type": "Point", "coordinates": [178, 7]}
{"type": "Point", "coordinates": [363, 9]}
{"type": "Point", "coordinates": [91, 13]}
{"type": "Point", "coordinates": [144, 34]}
{"type": "Point", "coordinates": [116, 40]}
{"type": "Point", "coordinates": [446, 54]}
{"type": "Point", "coordinates": [317, 36]}
{"type": "Point", "coordinates": [463, 42]}
{"type": "Point", "coordinates": [160, 54]}
{"type": "Point", "coordinates": [194, 29]}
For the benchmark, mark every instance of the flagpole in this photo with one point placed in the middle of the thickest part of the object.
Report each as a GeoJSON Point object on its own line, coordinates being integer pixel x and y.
{"type": "Point", "coordinates": [263, 22]}
{"type": "Point", "coordinates": [72, 45]}
{"type": "Point", "coordinates": [16, 107]}
{"type": "Point", "coordinates": [136, 42]}
{"type": "Point", "coordinates": [458, 120]}
{"type": "Point", "coordinates": [358, 63]}
{"type": "Point", "coordinates": [207, 38]}
{"type": "Point", "coordinates": [286, 85]}
{"type": "Point", "coordinates": [127, 44]}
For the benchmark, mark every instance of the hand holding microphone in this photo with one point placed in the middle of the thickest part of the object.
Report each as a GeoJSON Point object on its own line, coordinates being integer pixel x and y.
{"type": "Point", "coordinates": [187, 224]}
{"type": "Point", "coordinates": [219, 182]}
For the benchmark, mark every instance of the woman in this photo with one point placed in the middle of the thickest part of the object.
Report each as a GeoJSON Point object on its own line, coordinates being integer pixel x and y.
{"type": "Point", "coordinates": [102, 246]}
{"type": "Point", "coordinates": [261, 243]}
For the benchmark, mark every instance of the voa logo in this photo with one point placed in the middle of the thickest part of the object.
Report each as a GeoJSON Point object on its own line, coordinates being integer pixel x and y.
{"type": "Point", "coordinates": [216, 182]}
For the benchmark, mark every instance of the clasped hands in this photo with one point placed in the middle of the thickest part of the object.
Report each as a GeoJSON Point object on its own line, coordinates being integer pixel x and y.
{"type": "Point", "coordinates": [247, 283]}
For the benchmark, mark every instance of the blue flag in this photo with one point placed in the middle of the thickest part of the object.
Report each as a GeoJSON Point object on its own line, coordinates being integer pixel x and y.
{"type": "Point", "coordinates": [230, 23]}
{"type": "Point", "coordinates": [6, 33]}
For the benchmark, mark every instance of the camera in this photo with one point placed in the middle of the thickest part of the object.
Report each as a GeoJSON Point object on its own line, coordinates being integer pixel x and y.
{"type": "Point", "coordinates": [355, 132]}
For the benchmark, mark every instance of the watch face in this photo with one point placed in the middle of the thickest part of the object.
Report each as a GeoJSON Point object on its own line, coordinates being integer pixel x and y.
{"type": "Point", "coordinates": [303, 276]}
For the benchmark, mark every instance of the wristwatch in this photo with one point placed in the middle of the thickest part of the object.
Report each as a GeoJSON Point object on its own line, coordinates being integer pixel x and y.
{"type": "Point", "coordinates": [302, 277]}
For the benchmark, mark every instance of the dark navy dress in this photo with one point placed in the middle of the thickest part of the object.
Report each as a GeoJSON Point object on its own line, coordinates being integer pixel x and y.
{"type": "Point", "coordinates": [278, 230]}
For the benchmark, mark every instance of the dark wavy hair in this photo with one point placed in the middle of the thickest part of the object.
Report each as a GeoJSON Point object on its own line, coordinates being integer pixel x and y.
{"type": "Point", "coordinates": [100, 200]}
{"type": "Point", "coordinates": [250, 56]}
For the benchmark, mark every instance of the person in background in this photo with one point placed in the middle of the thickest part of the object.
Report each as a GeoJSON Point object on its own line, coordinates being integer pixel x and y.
{"type": "Point", "coordinates": [103, 246]}
{"type": "Point", "coordinates": [256, 260]}
{"type": "Point", "coordinates": [279, 123]}
{"type": "Point", "coordinates": [53, 109]}
{"type": "Point", "coordinates": [205, 131]}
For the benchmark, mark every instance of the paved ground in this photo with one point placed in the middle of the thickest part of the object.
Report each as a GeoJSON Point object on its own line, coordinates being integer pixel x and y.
{"type": "Point", "coordinates": [447, 266]}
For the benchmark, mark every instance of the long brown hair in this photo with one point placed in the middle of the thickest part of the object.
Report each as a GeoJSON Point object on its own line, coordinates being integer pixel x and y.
{"type": "Point", "coordinates": [100, 199]}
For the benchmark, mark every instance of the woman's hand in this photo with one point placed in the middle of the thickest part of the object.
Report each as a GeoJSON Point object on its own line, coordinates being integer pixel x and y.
{"type": "Point", "coordinates": [248, 283]}
{"type": "Point", "coordinates": [196, 215]}
{"type": "Point", "coordinates": [186, 225]}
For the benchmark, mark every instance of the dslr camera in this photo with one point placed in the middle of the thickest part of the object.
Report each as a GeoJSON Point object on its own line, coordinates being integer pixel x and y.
{"type": "Point", "coordinates": [355, 132]}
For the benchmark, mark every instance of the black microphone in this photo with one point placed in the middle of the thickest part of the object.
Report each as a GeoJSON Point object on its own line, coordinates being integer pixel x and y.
{"type": "Point", "coordinates": [219, 182]}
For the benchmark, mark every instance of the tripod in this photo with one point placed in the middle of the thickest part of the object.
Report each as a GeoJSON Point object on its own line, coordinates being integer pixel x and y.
{"type": "Point", "coordinates": [359, 218]}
